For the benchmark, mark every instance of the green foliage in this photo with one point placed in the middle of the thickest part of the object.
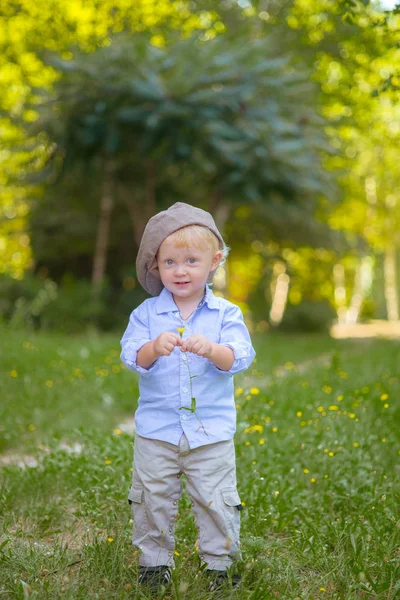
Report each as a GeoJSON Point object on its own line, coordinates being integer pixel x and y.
{"type": "Point", "coordinates": [70, 306]}
{"type": "Point", "coordinates": [308, 316]}
{"type": "Point", "coordinates": [236, 113]}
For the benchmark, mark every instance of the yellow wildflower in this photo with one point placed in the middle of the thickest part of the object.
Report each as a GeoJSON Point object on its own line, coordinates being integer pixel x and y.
{"type": "Point", "coordinates": [180, 330]}
{"type": "Point", "coordinates": [254, 391]}
{"type": "Point", "coordinates": [254, 428]}
{"type": "Point", "coordinates": [110, 539]}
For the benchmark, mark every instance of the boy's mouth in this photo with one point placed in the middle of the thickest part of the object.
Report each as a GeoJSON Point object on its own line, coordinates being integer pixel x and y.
{"type": "Point", "coordinates": [181, 282]}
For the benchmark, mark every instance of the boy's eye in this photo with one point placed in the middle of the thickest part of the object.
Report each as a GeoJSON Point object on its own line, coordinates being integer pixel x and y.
{"type": "Point", "coordinates": [191, 261]}
{"type": "Point", "coordinates": [169, 261]}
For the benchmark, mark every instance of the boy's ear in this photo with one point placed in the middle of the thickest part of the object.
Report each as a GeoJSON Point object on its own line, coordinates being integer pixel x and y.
{"type": "Point", "coordinates": [216, 259]}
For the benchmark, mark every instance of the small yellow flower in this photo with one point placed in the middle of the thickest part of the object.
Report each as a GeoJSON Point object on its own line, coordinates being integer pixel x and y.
{"type": "Point", "coordinates": [313, 480]}
{"type": "Point", "coordinates": [299, 413]}
{"type": "Point", "coordinates": [176, 553]}
{"type": "Point", "coordinates": [180, 330]}
{"type": "Point", "coordinates": [117, 431]}
{"type": "Point", "coordinates": [322, 589]}
{"type": "Point", "coordinates": [384, 397]}
{"type": "Point", "coordinates": [107, 461]}
{"type": "Point", "coordinates": [49, 383]}
{"type": "Point", "coordinates": [261, 442]}
{"type": "Point", "coordinates": [331, 454]}
{"type": "Point", "coordinates": [356, 444]}
{"type": "Point", "coordinates": [247, 443]}
{"type": "Point", "coordinates": [306, 471]}
{"type": "Point", "coordinates": [31, 427]}
{"type": "Point", "coordinates": [239, 391]}
{"type": "Point", "coordinates": [254, 391]}
{"type": "Point", "coordinates": [110, 539]}
{"type": "Point", "coordinates": [333, 407]}
{"type": "Point", "coordinates": [13, 373]}
{"type": "Point", "coordinates": [276, 493]}
{"type": "Point", "coordinates": [274, 429]}
{"type": "Point", "coordinates": [386, 405]}
{"type": "Point", "coordinates": [253, 428]}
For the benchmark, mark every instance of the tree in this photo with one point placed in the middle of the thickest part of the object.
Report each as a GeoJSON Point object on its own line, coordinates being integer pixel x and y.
{"type": "Point", "coordinates": [228, 113]}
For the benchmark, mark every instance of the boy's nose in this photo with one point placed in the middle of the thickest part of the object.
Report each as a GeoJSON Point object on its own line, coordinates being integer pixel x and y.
{"type": "Point", "coordinates": [180, 269]}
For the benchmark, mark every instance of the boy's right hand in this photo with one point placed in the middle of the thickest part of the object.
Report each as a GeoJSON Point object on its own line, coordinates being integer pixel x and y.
{"type": "Point", "coordinates": [166, 342]}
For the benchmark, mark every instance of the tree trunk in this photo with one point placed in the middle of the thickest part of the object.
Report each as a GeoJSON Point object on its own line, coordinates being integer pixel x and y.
{"type": "Point", "coordinates": [339, 279]}
{"type": "Point", "coordinates": [103, 228]}
{"type": "Point", "coordinates": [390, 273]}
{"type": "Point", "coordinates": [140, 210]}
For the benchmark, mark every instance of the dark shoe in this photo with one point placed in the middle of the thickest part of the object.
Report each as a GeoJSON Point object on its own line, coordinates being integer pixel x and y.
{"type": "Point", "coordinates": [218, 578]}
{"type": "Point", "coordinates": [155, 577]}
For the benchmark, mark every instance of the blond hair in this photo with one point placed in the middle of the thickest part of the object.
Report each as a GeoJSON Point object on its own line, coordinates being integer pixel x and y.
{"type": "Point", "coordinates": [198, 235]}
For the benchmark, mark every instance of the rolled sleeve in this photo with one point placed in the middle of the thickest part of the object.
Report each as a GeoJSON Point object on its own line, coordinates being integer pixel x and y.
{"type": "Point", "coordinates": [137, 334]}
{"type": "Point", "coordinates": [235, 335]}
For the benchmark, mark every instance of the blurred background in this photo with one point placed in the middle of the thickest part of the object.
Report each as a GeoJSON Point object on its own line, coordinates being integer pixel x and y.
{"type": "Point", "coordinates": [281, 117]}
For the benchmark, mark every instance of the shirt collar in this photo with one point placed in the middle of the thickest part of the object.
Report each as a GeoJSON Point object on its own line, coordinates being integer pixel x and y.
{"type": "Point", "coordinates": [165, 302]}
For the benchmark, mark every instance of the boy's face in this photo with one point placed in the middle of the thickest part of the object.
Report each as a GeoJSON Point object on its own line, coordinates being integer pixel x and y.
{"type": "Point", "coordinates": [184, 270]}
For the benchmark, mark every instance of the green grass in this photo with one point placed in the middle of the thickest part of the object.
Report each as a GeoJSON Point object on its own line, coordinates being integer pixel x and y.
{"type": "Point", "coordinates": [318, 472]}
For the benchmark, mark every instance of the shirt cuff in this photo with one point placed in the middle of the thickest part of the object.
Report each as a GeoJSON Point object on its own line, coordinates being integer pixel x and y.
{"type": "Point", "coordinates": [129, 356]}
{"type": "Point", "coordinates": [244, 356]}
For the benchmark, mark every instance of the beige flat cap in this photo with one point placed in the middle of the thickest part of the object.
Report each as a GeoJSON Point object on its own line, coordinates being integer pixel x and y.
{"type": "Point", "coordinates": [160, 227]}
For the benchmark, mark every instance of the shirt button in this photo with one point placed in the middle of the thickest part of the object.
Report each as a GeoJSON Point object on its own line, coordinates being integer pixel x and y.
{"type": "Point", "coordinates": [184, 357]}
{"type": "Point", "coordinates": [185, 390]}
{"type": "Point", "coordinates": [183, 417]}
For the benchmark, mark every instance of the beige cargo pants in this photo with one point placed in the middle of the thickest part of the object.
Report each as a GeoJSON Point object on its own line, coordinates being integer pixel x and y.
{"type": "Point", "coordinates": [210, 473]}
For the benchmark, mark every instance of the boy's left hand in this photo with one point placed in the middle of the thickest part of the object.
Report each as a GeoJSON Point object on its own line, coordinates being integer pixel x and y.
{"type": "Point", "coordinates": [197, 344]}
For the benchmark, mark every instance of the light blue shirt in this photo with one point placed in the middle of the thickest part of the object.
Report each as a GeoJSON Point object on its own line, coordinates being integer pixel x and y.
{"type": "Point", "coordinates": [165, 385]}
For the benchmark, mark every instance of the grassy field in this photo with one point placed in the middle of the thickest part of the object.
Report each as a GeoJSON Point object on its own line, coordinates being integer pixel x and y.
{"type": "Point", "coordinates": [318, 452]}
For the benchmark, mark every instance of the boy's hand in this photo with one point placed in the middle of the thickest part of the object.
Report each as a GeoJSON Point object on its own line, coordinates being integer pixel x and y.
{"type": "Point", "coordinates": [166, 342]}
{"type": "Point", "coordinates": [197, 344]}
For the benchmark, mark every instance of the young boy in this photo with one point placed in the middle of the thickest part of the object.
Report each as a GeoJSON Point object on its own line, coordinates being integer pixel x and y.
{"type": "Point", "coordinates": [186, 344]}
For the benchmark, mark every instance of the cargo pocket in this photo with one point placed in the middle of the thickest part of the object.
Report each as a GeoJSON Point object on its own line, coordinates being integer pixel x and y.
{"type": "Point", "coordinates": [135, 495]}
{"type": "Point", "coordinates": [232, 506]}
{"type": "Point", "coordinates": [136, 499]}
